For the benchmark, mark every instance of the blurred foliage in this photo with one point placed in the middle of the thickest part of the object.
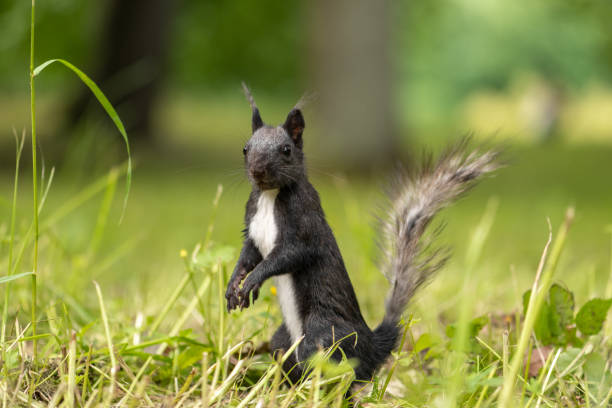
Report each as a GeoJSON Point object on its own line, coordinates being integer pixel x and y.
{"type": "Point", "coordinates": [523, 71]}
{"type": "Point", "coordinates": [443, 48]}
{"type": "Point", "coordinates": [214, 44]}
{"type": "Point", "coordinates": [219, 43]}
{"type": "Point", "coordinates": [448, 49]}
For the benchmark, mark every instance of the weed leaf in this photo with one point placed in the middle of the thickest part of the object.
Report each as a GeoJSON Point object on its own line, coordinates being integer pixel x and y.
{"type": "Point", "coordinates": [561, 313]}
{"type": "Point", "coordinates": [541, 327]}
{"type": "Point", "coordinates": [562, 304]}
{"type": "Point", "coordinates": [474, 327]}
{"type": "Point", "coordinates": [591, 316]}
{"type": "Point", "coordinates": [424, 342]}
{"type": "Point", "coordinates": [594, 367]}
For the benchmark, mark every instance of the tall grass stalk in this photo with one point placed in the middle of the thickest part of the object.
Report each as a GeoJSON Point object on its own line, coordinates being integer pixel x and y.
{"type": "Point", "coordinates": [461, 337]}
{"type": "Point", "coordinates": [547, 378]}
{"type": "Point", "coordinates": [103, 213]}
{"type": "Point", "coordinates": [609, 284]}
{"type": "Point", "coordinates": [538, 295]}
{"type": "Point", "coordinates": [35, 224]}
{"type": "Point", "coordinates": [34, 183]}
{"type": "Point", "coordinates": [70, 390]}
{"type": "Point", "coordinates": [173, 332]}
{"type": "Point", "coordinates": [269, 373]}
{"type": "Point", "coordinates": [204, 392]}
{"type": "Point", "coordinates": [5, 368]}
{"type": "Point", "coordinates": [111, 352]}
{"type": "Point", "coordinates": [407, 326]}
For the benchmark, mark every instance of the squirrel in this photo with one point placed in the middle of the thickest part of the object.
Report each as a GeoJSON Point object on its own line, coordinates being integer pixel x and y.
{"type": "Point", "coordinates": [288, 238]}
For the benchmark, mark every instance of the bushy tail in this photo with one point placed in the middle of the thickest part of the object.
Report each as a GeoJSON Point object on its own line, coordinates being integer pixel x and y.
{"type": "Point", "coordinates": [409, 261]}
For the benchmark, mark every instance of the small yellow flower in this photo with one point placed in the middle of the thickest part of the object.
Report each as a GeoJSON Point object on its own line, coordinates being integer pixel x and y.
{"type": "Point", "coordinates": [273, 290]}
{"type": "Point", "coordinates": [183, 253]}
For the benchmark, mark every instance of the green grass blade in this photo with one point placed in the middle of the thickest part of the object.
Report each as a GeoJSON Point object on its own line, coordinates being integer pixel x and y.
{"type": "Point", "coordinates": [108, 107]}
{"type": "Point", "coordinates": [63, 211]}
{"type": "Point", "coordinates": [34, 186]}
{"type": "Point", "coordinates": [109, 342]}
{"type": "Point", "coordinates": [535, 304]}
{"type": "Point", "coordinates": [19, 150]}
{"type": "Point", "coordinates": [11, 278]}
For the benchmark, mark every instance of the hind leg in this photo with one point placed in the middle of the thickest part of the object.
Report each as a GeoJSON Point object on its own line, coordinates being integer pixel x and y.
{"type": "Point", "coordinates": [279, 344]}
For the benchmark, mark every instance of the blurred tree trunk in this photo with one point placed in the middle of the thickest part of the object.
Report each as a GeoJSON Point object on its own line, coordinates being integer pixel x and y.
{"type": "Point", "coordinates": [133, 52]}
{"type": "Point", "coordinates": [351, 71]}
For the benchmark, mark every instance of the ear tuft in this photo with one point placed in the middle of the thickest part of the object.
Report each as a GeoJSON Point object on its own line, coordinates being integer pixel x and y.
{"type": "Point", "coordinates": [256, 121]}
{"type": "Point", "coordinates": [294, 125]}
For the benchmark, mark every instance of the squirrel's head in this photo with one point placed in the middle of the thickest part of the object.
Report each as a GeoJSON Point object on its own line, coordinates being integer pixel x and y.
{"type": "Point", "coordinates": [273, 156]}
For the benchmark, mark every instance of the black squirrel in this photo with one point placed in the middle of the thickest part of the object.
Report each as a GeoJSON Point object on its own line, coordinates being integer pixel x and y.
{"type": "Point", "coordinates": [287, 237]}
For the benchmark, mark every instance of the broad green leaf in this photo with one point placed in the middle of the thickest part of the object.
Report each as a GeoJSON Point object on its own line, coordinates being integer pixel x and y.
{"type": "Point", "coordinates": [10, 278]}
{"type": "Point", "coordinates": [598, 378]}
{"type": "Point", "coordinates": [477, 324]}
{"type": "Point", "coordinates": [108, 107]}
{"type": "Point", "coordinates": [591, 316]}
{"type": "Point", "coordinates": [425, 341]}
{"type": "Point", "coordinates": [562, 305]}
{"type": "Point", "coordinates": [190, 356]}
{"type": "Point", "coordinates": [561, 314]}
{"type": "Point", "coordinates": [541, 327]}
{"type": "Point", "coordinates": [594, 367]}
{"type": "Point", "coordinates": [474, 327]}
{"type": "Point", "coordinates": [566, 358]}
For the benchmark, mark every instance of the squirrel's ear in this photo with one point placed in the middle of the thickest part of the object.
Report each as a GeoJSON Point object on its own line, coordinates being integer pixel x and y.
{"type": "Point", "coordinates": [294, 125]}
{"type": "Point", "coordinates": [256, 121]}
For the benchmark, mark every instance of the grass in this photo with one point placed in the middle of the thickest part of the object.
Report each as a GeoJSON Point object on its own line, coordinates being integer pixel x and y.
{"type": "Point", "coordinates": [132, 313]}
{"type": "Point", "coordinates": [167, 308]}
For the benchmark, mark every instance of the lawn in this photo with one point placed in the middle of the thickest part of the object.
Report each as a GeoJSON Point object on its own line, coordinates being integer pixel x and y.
{"type": "Point", "coordinates": [140, 262]}
{"type": "Point", "coordinates": [112, 305]}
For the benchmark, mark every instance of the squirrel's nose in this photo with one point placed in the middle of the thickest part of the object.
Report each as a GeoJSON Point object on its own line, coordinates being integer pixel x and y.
{"type": "Point", "coordinates": [258, 173]}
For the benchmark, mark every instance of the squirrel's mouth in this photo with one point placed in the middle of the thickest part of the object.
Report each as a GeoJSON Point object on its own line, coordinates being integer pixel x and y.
{"type": "Point", "coordinates": [263, 184]}
{"type": "Point", "coordinates": [262, 181]}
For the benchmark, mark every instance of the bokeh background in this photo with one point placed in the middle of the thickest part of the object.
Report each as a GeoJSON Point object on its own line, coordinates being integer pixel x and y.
{"type": "Point", "coordinates": [385, 79]}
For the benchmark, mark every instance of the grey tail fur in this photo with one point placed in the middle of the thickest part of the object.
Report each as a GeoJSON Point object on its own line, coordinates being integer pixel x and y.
{"type": "Point", "coordinates": [408, 259]}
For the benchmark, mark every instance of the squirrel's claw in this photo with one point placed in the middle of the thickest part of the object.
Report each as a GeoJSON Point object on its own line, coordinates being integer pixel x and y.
{"type": "Point", "coordinates": [243, 293]}
{"type": "Point", "coordinates": [230, 297]}
{"type": "Point", "coordinates": [233, 299]}
{"type": "Point", "coordinates": [233, 289]}
{"type": "Point", "coordinates": [232, 294]}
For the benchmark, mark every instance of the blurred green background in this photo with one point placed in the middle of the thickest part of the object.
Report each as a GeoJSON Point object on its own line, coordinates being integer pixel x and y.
{"type": "Point", "coordinates": [389, 79]}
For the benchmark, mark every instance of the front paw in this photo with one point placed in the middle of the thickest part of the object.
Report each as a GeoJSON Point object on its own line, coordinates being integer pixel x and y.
{"type": "Point", "coordinates": [233, 287]}
{"type": "Point", "coordinates": [231, 295]}
{"type": "Point", "coordinates": [250, 286]}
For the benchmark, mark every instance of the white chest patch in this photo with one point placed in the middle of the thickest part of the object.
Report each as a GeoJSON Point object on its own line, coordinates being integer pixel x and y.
{"type": "Point", "coordinates": [263, 231]}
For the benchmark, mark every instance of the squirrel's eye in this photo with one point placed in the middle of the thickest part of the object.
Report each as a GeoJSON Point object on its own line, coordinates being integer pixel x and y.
{"type": "Point", "coordinates": [244, 150]}
{"type": "Point", "coordinates": [286, 150]}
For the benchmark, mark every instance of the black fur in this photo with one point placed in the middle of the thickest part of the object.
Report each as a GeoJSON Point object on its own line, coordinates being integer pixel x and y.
{"type": "Point", "coordinates": [306, 249]}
